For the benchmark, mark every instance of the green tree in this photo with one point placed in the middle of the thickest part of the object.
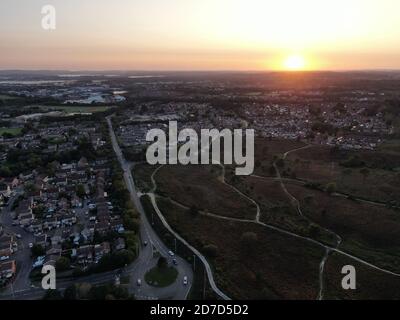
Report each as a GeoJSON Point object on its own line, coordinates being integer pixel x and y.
{"type": "Point", "coordinates": [37, 250]}
{"type": "Point", "coordinates": [331, 187]}
{"type": "Point", "coordinates": [62, 264]}
{"type": "Point", "coordinates": [162, 263]}
{"type": "Point", "coordinates": [71, 293]}
{"type": "Point", "coordinates": [210, 250]}
{"type": "Point", "coordinates": [249, 238]}
{"type": "Point", "coordinates": [365, 173]}
{"type": "Point", "coordinates": [80, 190]}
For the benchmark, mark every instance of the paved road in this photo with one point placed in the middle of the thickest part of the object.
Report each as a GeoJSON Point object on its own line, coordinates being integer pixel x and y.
{"type": "Point", "coordinates": [23, 254]}
{"type": "Point", "coordinates": [147, 256]}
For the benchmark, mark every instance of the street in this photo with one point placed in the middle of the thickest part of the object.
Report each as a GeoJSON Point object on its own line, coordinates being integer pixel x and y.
{"type": "Point", "coordinates": [147, 259]}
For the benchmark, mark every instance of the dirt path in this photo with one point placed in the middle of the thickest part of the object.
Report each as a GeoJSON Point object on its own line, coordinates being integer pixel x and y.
{"type": "Point", "coordinates": [328, 249]}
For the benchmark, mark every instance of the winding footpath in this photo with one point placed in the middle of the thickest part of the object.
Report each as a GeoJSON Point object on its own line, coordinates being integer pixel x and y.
{"type": "Point", "coordinates": [328, 249]}
{"type": "Point", "coordinates": [296, 202]}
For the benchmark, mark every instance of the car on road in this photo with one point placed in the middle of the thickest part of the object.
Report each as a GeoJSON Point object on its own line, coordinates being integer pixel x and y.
{"type": "Point", "coordinates": [18, 236]}
{"type": "Point", "coordinates": [15, 223]}
{"type": "Point", "coordinates": [145, 243]}
{"type": "Point", "coordinates": [175, 262]}
{"type": "Point", "coordinates": [3, 258]}
{"type": "Point", "coordinates": [185, 280]}
{"type": "Point", "coordinates": [171, 253]}
{"type": "Point", "coordinates": [139, 282]}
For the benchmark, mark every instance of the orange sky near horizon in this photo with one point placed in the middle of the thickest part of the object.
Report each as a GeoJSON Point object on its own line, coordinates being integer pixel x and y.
{"type": "Point", "coordinates": [201, 35]}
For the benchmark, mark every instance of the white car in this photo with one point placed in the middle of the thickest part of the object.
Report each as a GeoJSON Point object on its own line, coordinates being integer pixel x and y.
{"type": "Point", "coordinates": [3, 258]}
{"type": "Point", "coordinates": [30, 245]}
{"type": "Point", "coordinates": [139, 282]}
{"type": "Point", "coordinates": [185, 280]}
{"type": "Point", "coordinates": [171, 253]}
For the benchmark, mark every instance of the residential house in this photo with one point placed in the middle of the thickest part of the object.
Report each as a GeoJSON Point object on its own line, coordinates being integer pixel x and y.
{"type": "Point", "coordinates": [57, 237]}
{"type": "Point", "coordinates": [41, 240]}
{"type": "Point", "coordinates": [117, 225]}
{"type": "Point", "coordinates": [68, 219]}
{"type": "Point", "coordinates": [100, 250]}
{"type": "Point", "coordinates": [8, 269]}
{"type": "Point", "coordinates": [26, 219]}
{"type": "Point", "coordinates": [84, 254]}
{"type": "Point", "coordinates": [51, 260]}
{"type": "Point", "coordinates": [102, 227]}
{"type": "Point", "coordinates": [36, 227]}
{"type": "Point", "coordinates": [54, 250]}
{"type": "Point", "coordinates": [119, 244]}
{"type": "Point", "coordinates": [5, 190]}
{"type": "Point", "coordinates": [50, 223]}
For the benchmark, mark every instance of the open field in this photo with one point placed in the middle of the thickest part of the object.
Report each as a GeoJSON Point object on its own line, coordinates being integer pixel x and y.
{"type": "Point", "coordinates": [270, 266]}
{"type": "Point", "coordinates": [161, 277]}
{"type": "Point", "coordinates": [4, 97]}
{"type": "Point", "coordinates": [368, 231]}
{"type": "Point", "coordinates": [199, 186]}
{"type": "Point", "coordinates": [143, 172]}
{"type": "Point", "coordinates": [371, 284]}
{"type": "Point", "coordinates": [76, 109]}
{"type": "Point", "coordinates": [266, 150]}
{"type": "Point", "coordinates": [378, 179]}
{"type": "Point", "coordinates": [13, 131]}
{"type": "Point", "coordinates": [277, 209]}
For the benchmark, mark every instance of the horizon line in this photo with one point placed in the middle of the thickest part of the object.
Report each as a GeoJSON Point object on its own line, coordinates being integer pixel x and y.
{"type": "Point", "coordinates": [197, 70]}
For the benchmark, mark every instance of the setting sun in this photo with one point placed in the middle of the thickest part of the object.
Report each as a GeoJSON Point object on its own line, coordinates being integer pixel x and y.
{"type": "Point", "coordinates": [294, 63]}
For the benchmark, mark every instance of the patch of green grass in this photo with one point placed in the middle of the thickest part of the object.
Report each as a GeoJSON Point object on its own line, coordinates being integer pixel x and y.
{"type": "Point", "coordinates": [13, 131]}
{"type": "Point", "coordinates": [6, 97]}
{"type": "Point", "coordinates": [76, 109]}
{"type": "Point", "coordinates": [392, 145]}
{"type": "Point", "coordinates": [161, 277]}
{"type": "Point", "coordinates": [125, 279]}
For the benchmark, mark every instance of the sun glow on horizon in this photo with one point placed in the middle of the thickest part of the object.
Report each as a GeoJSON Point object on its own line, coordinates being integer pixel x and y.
{"type": "Point", "coordinates": [294, 62]}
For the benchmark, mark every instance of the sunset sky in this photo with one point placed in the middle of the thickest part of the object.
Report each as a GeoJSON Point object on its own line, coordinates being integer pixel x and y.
{"type": "Point", "coordinates": [202, 35]}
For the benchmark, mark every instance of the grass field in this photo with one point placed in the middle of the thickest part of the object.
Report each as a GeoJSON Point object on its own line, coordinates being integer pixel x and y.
{"type": "Point", "coordinates": [276, 208]}
{"type": "Point", "coordinates": [322, 165]}
{"type": "Point", "coordinates": [368, 231]}
{"type": "Point", "coordinates": [199, 186]}
{"type": "Point", "coordinates": [273, 266]}
{"type": "Point", "coordinates": [371, 284]}
{"type": "Point", "coordinates": [161, 277]}
{"type": "Point", "coordinates": [142, 174]}
{"type": "Point", "coordinates": [76, 109]}
{"type": "Point", "coordinates": [13, 131]}
{"type": "Point", "coordinates": [276, 265]}
{"type": "Point", "coordinates": [6, 97]}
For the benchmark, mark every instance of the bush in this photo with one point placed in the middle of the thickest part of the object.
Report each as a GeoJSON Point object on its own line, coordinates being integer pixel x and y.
{"type": "Point", "coordinates": [37, 250]}
{"type": "Point", "coordinates": [162, 262]}
{"type": "Point", "coordinates": [330, 188]}
{"type": "Point", "coordinates": [210, 250]}
{"type": "Point", "coordinates": [62, 264]}
{"type": "Point", "coordinates": [249, 238]}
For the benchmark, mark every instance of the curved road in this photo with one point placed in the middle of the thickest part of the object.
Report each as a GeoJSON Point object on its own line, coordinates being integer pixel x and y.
{"type": "Point", "coordinates": [148, 253]}
{"type": "Point", "coordinates": [210, 276]}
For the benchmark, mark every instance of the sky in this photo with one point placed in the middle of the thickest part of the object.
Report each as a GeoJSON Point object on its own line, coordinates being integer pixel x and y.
{"type": "Point", "coordinates": [201, 35]}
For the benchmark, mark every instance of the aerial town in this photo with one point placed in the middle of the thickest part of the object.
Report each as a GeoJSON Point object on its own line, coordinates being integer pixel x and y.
{"type": "Point", "coordinates": [77, 194]}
